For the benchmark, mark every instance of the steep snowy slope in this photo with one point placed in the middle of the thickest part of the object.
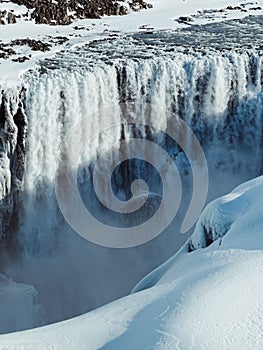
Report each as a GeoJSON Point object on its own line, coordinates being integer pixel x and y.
{"type": "Point", "coordinates": [208, 299]}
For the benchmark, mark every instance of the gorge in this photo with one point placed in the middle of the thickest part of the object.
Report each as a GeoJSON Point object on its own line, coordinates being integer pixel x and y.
{"type": "Point", "coordinates": [214, 86]}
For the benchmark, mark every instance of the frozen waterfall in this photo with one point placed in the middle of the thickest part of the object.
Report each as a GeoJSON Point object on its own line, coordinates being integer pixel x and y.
{"type": "Point", "coordinates": [218, 93]}
{"type": "Point", "coordinates": [219, 96]}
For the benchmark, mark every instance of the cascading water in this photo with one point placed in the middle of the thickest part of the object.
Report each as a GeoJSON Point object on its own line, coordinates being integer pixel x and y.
{"type": "Point", "coordinates": [218, 93]}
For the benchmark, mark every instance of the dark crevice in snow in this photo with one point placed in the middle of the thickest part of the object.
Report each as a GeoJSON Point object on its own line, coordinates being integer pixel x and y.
{"type": "Point", "coordinates": [209, 237]}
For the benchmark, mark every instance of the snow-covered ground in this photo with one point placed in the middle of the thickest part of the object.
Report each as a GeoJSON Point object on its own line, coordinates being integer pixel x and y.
{"type": "Point", "coordinates": [209, 298]}
{"type": "Point", "coordinates": [162, 16]}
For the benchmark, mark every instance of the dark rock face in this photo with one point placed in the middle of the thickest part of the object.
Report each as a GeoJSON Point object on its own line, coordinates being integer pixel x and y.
{"type": "Point", "coordinates": [13, 129]}
{"type": "Point", "coordinates": [63, 12]}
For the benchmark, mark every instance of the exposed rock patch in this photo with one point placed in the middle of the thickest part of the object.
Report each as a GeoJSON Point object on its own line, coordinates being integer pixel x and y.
{"type": "Point", "coordinates": [63, 12]}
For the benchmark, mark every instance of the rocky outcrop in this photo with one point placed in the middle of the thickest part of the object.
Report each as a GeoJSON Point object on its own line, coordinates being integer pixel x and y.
{"type": "Point", "coordinates": [63, 12]}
